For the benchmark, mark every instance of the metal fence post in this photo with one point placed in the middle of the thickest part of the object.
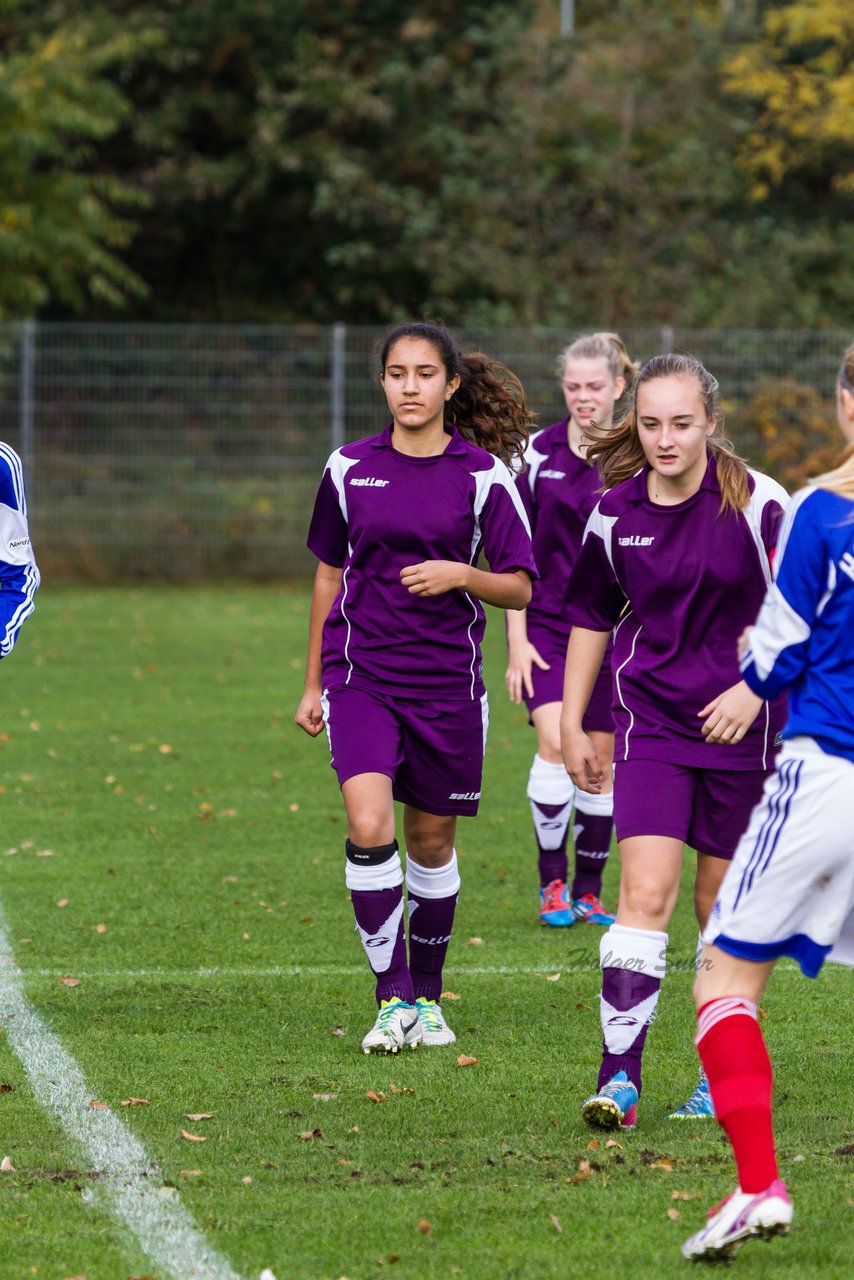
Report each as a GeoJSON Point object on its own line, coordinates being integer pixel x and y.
{"type": "Point", "coordinates": [27, 397]}
{"type": "Point", "coordinates": [338, 386]}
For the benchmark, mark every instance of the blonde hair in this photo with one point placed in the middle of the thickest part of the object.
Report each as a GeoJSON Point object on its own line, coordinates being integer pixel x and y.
{"type": "Point", "coordinates": [841, 479]}
{"type": "Point", "coordinates": [619, 454]}
{"type": "Point", "coordinates": [601, 346]}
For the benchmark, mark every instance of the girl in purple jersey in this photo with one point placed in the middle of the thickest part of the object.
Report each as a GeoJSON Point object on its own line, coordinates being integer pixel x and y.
{"type": "Point", "coordinates": [394, 662]}
{"type": "Point", "coordinates": [560, 489]}
{"type": "Point", "coordinates": [676, 558]}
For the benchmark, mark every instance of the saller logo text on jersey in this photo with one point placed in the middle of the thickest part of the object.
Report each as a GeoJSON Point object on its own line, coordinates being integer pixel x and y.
{"type": "Point", "coordinates": [636, 541]}
{"type": "Point", "coordinates": [464, 795]}
{"type": "Point", "coordinates": [369, 482]}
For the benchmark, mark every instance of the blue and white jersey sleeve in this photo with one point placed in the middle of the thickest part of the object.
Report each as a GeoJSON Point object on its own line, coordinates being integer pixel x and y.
{"type": "Point", "coordinates": [19, 577]}
{"type": "Point", "coordinates": [782, 644]}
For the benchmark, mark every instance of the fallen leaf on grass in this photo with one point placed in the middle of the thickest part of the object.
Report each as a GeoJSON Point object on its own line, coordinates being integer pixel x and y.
{"type": "Point", "coordinates": [612, 1142]}
{"type": "Point", "coordinates": [6, 1165]}
{"type": "Point", "coordinates": [198, 1115]}
{"type": "Point", "coordinates": [135, 1102]}
{"type": "Point", "coordinates": [449, 995]}
{"type": "Point", "coordinates": [70, 982]}
{"type": "Point", "coordinates": [684, 1195]}
{"type": "Point", "coordinates": [847, 1200]}
{"type": "Point", "coordinates": [552, 977]}
{"type": "Point", "coordinates": [584, 1172]}
{"type": "Point", "coordinates": [845, 1151]}
{"type": "Point", "coordinates": [402, 1093]}
{"type": "Point", "coordinates": [324, 1097]}
{"type": "Point", "coordinates": [100, 928]}
{"type": "Point", "coordinates": [594, 1145]}
{"type": "Point", "coordinates": [475, 942]}
{"type": "Point", "coordinates": [338, 1031]}
{"type": "Point", "coordinates": [355, 1129]}
{"type": "Point", "coordinates": [424, 1226]}
{"type": "Point", "coordinates": [665, 1164]}
{"type": "Point", "coordinates": [246, 1181]}
{"type": "Point", "coordinates": [674, 1215]}
{"type": "Point", "coordinates": [465, 1061]}
{"type": "Point", "coordinates": [373, 1096]}
{"type": "Point", "coordinates": [192, 1137]}
{"type": "Point", "coordinates": [98, 1106]}
{"type": "Point", "coordinates": [308, 1135]}
{"type": "Point", "coordinates": [63, 902]}
{"type": "Point", "coordinates": [555, 1221]}
{"type": "Point", "coordinates": [190, 1173]}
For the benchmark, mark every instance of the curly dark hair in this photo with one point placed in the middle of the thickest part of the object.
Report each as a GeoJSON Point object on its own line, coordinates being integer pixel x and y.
{"type": "Point", "coordinates": [489, 407]}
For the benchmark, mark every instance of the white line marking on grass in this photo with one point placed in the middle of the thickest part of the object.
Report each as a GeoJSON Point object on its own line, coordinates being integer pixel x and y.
{"type": "Point", "coordinates": [132, 1188]}
{"type": "Point", "coordinates": [346, 971]}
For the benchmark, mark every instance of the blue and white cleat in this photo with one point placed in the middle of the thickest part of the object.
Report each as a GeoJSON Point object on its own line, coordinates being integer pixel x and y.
{"type": "Point", "coordinates": [556, 905]}
{"type": "Point", "coordinates": [739, 1218]}
{"type": "Point", "coordinates": [614, 1106]}
{"type": "Point", "coordinates": [699, 1106]}
{"type": "Point", "coordinates": [397, 1026]}
{"type": "Point", "coordinates": [589, 909]}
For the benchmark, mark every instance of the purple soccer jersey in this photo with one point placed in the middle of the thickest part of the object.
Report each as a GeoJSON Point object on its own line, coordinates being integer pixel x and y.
{"type": "Point", "coordinates": [560, 491]}
{"type": "Point", "coordinates": [379, 510]}
{"type": "Point", "coordinates": [680, 583]}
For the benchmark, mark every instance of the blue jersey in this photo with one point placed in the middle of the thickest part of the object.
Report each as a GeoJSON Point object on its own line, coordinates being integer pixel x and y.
{"type": "Point", "coordinates": [19, 577]}
{"type": "Point", "coordinates": [803, 639]}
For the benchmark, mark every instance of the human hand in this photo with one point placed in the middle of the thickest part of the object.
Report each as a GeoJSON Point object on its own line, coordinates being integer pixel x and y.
{"type": "Point", "coordinates": [522, 658]}
{"type": "Point", "coordinates": [728, 717]}
{"type": "Point", "coordinates": [433, 577]}
{"type": "Point", "coordinates": [581, 760]}
{"type": "Point", "coordinates": [309, 714]}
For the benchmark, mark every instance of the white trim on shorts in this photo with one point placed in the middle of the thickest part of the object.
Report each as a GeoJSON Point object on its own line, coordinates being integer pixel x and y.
{"type": "Point", "coordinates": [789, 890]}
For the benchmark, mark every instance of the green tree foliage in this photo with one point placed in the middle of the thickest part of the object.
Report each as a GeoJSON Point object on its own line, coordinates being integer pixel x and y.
{"type": "Point", "coordinates": [316, 160]}
{"type": "Point", "coordinates": [61, 229]}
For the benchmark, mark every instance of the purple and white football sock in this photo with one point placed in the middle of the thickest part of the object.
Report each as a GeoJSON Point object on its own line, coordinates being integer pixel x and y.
{"type": "Point", "coordinates": [375, 881]}
{"type": "Point", "coordinates": [591, 832]}
{"type": "Point", "coordinates": [551, 792]}
{"type": "Point", "coordinates": [432, 896]}
{"type": "Point", "coordinates": [633, 964]}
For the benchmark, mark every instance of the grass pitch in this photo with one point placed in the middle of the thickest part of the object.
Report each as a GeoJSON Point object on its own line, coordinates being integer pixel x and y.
{"type": "Point", "coordinates": [175, 845]}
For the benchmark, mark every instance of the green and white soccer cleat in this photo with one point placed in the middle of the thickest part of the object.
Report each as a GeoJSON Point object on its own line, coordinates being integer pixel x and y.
{"type": "Point", "coordinates": [397, 1026]}
{"type": "Point", "coordinates": [434, 1028]}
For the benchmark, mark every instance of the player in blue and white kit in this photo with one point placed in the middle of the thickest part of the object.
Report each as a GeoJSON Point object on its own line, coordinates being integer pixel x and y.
{"type": "Point", "coordinates": [560, 488]}
{"type": "Point", "coordinates": [19, 577]}
{"type": "Point", "coordinates": [789, 890]}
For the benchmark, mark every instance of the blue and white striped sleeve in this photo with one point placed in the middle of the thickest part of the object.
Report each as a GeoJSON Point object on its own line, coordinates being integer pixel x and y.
{"type": "Point", "coordinates": [776, 653]}
{"type": "Point", "coordinates": [19, 577]}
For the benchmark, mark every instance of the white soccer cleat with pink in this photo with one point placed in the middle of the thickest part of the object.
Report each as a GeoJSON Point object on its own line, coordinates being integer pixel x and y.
{"type": "Point", "coordinates": [740, 1217]}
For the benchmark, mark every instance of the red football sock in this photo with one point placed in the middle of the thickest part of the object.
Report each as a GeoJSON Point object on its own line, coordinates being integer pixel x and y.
{"type": "Point", "coordinates": [736, 1062]}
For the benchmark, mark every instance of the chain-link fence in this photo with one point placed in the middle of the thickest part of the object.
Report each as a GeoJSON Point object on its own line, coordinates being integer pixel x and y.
{"type": "Point", "coordinates": [178, 451]}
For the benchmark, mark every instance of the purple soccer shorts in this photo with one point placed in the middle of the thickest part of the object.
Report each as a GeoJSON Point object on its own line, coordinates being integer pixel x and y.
{"type": "Point", "coordinates": [708, 809]}
{"type": "Point", "coordinates": [432, 751]}
{"type": "Point", "coordinates": [548, 685]}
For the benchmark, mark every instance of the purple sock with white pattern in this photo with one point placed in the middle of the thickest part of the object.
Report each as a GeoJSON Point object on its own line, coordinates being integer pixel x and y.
{"type": "Point", "coordinates": [376, 890]}
{"type": "Point", "coordinates": [432, 894]}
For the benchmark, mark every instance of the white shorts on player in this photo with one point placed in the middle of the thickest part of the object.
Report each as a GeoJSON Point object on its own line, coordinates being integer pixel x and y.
{"type": "Point", "coordinates": [789, 890]}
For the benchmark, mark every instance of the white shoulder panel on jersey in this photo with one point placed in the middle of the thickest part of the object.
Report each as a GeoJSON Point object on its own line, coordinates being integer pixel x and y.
{"type": "Point", "coordinates": [765, 490]}
{"type": "Point", "coordinates": [534, 459]}
{"type": "Point", "coordinates": [338, 466]}
{"type": "Point", "coordinates": [603, 527]}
